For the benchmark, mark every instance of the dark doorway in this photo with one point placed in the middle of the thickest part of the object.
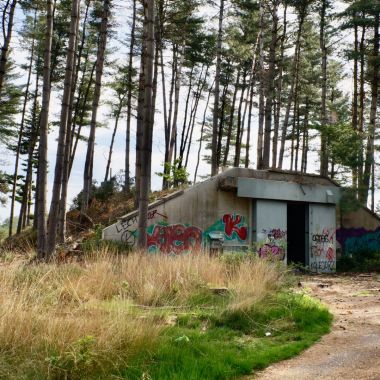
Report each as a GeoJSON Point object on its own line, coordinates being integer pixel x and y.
{"type": "Point", "coordinates": [296, 249]}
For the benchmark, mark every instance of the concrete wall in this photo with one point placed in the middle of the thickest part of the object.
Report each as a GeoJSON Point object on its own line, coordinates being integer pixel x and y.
{"type": "Point", "coordinates": [359, 232]}
{"type": "Point", "coordinates": [183, 222]}
{"type": "Point", "coordinates": [186, 220]}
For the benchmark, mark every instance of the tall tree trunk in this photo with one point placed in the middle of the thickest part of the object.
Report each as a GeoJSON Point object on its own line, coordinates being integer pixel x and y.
{"type": "Point", "coordinates": [7, 35]}
{"type": "Point", "coordinates": [165, 182]}
{"type": "Point", "coordinates": [324, 119]}
{"type": "Point", "coordinates": [117, 118]}
{"type": "Point", "coordinates": [43, 148]}
{"type": "Point", "coordinates": [146, 152]}
{"type": "Point", "coordinates": [140, 116]}
{"type": "Point", "coordinates": [370, 149]}
{"type": "Point", "coordinates": [294, 75]}
{"type": "Point", "coordinates": [178, 80]}
{"type": "Point", "coordinates": [277, 115]}
{"type": "Point", "coordinates": [215, 121]}
{"type": "Point", "coordinates": [73, 115]}
{"type": "Point", "coordinates": [184, 126]}
{"type": "Point", "coordinates": [248, 141]}
{"type": "Point", "coordinates": [298, 137]}
{"type": "Point", "coordinates": [21, 131]}
{"type": "Point", "coordinates": [222, 120]}
{"type": "Point", "coordinates": [157, 43]}
{"type": "Point", "coordinates": [305, 141]}
{"type": "Point", "coordinates": [294, 126]}
{"type": "Point", "coordinates": [189, 127]}
{"type": "Point", "coordinates": [29, 166]}
{"type": "Point", "coordinates": [355, 98]}
{"type": "Point", "coordinates": [87, 175]}
{"type": "Point", "coordinates": [362, 97]}
{"type": "Point", "coordinates": [61, 228]}
{"type": "Point", "coordinates": [231, 119]}
{"type": "Point", "coordinates": [251, 96]}
{"type": "Point", "coordinates": [202, 132]}
{"type": "Point", "coordinates": [239, 131]}
{"type": "Point", "coordinates": [127, 177]}
{"type": "Point", "coordinates": [77, 134]}
{"type": "Point", "coordinates": [63, 129]}
{"type": "Point", "coordinates": [270, 90]}
{"type": "Point", "coordinates": [260, 132]}
{"type": "Point", "coordinates": [195, 110]}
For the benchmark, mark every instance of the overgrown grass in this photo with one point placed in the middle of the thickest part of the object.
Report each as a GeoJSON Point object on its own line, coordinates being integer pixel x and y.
{"type": "Point", "coordinates": [142, 316]}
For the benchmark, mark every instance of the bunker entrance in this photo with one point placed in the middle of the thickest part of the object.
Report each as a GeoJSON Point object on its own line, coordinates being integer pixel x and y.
{"type": "Point", "coordinates": [297, 232]}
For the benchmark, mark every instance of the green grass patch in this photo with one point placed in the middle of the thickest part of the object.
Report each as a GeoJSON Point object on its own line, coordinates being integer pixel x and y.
{"type": "Point", "coordinates": [226, 344]}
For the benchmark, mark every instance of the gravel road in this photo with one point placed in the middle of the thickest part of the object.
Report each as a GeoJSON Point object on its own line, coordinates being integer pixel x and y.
{"type": "Point", "coordinates": [352, 349]}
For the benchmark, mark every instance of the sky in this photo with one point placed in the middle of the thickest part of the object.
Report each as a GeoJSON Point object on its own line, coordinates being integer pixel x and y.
{"type": "Point", "coordinates": [103, 135]}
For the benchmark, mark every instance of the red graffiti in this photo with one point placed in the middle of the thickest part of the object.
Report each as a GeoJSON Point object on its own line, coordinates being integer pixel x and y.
{"type": "Point", "coordinates": [330, 254]}
{"type": "Point", "coordinates": [175, 239]}
{"type": "Point", "coordinates": [231, 225]}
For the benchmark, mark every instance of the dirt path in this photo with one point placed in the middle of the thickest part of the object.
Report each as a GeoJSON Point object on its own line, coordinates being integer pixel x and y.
{"type": "Point", "coordinates": [352, 349]}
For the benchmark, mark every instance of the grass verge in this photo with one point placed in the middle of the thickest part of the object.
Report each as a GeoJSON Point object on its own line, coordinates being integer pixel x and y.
{"type": "Point", "coordinates": [150, 317]}
{"type": "Point", "coordinates": [209, 346]}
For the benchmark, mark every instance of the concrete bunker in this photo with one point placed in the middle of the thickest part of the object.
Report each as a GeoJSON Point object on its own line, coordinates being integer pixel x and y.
{"type": "Point", "coordinates": [286, 216]}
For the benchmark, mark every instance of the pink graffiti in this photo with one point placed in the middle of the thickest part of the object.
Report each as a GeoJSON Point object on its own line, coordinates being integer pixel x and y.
{"type": "Point", "coordinates": [231, 225]}
{"type": "Point", "coordinates": [277, 234]}
{"type": "Point", "coordinates": [175, 239]}
{"type": "Point", "coordinates": [272, 251]}
{"type": "Point", "coordinates": [330, 233]}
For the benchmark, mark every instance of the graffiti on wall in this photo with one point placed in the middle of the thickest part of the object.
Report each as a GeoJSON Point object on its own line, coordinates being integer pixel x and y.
{"type": "Point", "coordinates": [234, 224]}
{"type": "Point", "coordinates": [179, 238]}
{"type": "Point", "coordinates": [322, 254]}
{"type": "Point", "coordinates": [272, 243]}
{"type": "Point", "coordinates": [233, 227]}
{"type": "Point", "coordinates": [354, 240]}
{"type": "Point", "coordinates": [174, 239]}
{"type": "Point", "coordinates": [127, 228]}
{"type": "Point", "coordinates": [323, 266]}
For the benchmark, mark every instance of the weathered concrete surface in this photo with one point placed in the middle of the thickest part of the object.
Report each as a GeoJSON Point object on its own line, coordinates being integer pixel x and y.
{"type": "Point", "coordinates": [352, 349]}
{"type": "Point", "coordinates": [361, 218]}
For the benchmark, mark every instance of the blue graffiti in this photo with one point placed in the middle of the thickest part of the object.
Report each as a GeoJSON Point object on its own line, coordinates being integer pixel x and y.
{"type": "Point", "coordinates": [354, 240]}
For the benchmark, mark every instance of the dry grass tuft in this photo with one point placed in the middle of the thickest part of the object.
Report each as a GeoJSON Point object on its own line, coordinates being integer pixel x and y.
{"type": "Point", "coordinates": [75, 320]}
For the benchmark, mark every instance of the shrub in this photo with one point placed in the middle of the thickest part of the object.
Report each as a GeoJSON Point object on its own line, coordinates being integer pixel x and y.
{"type": "Point", "coordinates": [360, 261]}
